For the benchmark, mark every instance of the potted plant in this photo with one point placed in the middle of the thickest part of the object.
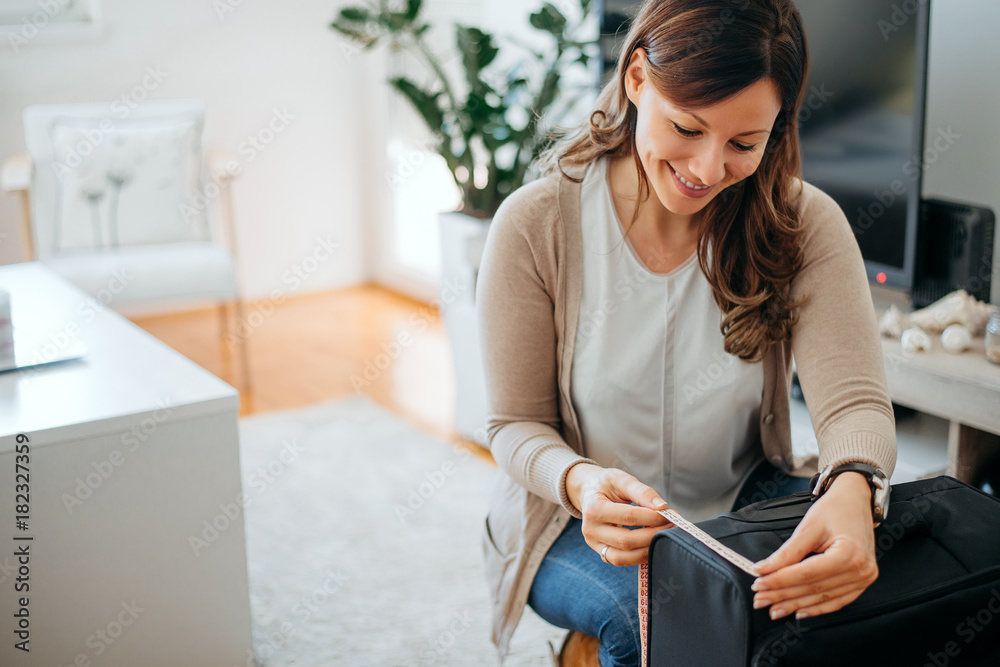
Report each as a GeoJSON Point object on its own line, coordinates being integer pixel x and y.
{"type": "Point", "coordinates": [488, 128]}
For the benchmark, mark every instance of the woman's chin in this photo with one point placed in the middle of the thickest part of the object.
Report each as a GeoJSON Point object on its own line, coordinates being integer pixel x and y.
{"type": "Point", "coordinates": [680, 205]}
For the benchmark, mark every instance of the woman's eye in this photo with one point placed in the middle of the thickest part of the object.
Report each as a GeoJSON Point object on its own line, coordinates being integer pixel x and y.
{"type": "Point", "coordinates": [744, 148]}
{"type": "Point", "coordinates": [685, 133]}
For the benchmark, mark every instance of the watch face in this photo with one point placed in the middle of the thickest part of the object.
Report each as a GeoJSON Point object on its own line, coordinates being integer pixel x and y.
{"type": "Point", "coordinates": [881, 497]}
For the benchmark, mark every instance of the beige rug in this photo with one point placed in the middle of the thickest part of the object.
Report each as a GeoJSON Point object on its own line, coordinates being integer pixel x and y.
{"type": "Point", "coordinates": [363, 544]}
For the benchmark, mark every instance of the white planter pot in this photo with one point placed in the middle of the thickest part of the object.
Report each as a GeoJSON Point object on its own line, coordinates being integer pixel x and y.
{"type": "Point", "coordinates": [462, 240]}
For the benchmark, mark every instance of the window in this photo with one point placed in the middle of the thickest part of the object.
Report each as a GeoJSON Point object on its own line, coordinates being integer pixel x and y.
{"type": "Point", "coordinates": [420, 183]}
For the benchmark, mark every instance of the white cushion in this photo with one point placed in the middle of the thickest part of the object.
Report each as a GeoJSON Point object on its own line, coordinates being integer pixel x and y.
{"type": "Point", "coordinates": [158, 273]}
{"type": "Point", "coordinates": [125, 185]}
{"type": "Point", "coordinates": [42, 124]}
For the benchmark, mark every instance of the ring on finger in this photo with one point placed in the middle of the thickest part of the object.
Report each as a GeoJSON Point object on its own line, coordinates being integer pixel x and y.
{"type": "Point", "coordinates": [604, 554]}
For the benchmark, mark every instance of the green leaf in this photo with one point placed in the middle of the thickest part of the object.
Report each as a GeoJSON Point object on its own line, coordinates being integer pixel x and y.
{"type": "Point", "coordinates": [363, 38]}
{"type": "Point", "coordinates": [548, 92]}
{"type": "Point", "coordinates": [412, 9]}
{"type": "Point", "coordinates": [478, 110]}
{"type": "Point", "coordinates": [355, 14]}
{"type": "Point", "coordinates": [478, 51]}
{"type": "Point", "coordinates": [549, 19]}
{"type": "Point", "coordinates": [424, 102]}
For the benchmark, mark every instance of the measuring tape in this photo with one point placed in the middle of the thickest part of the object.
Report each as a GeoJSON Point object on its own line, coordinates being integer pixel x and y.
{"type": "Point", "coordinates": [715, 545]}
{"type": "Point", "coordinates": [697, 533]}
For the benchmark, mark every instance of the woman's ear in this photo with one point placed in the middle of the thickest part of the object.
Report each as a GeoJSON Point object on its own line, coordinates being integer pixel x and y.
{"type": "Point", "coordinates": [635, 75]}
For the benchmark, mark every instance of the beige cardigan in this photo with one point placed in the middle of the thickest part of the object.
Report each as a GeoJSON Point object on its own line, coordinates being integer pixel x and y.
{"type": "Point", "coordinates": [528, 299]}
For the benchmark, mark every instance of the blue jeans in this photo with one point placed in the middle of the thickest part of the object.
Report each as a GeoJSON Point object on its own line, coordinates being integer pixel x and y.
{"type": "Point", "coordinates": [576, 590]}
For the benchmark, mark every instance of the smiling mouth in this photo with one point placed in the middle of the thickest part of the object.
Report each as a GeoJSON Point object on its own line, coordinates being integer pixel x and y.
{"type": "Point", "coordinates": [688, 187]}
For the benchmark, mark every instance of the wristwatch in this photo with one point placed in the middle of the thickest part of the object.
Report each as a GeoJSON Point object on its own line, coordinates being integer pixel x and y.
{"type": "Point", "coordinates": [877, 480]}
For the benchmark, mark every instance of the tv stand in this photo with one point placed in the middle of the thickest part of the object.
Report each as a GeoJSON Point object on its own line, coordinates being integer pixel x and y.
{"type": "Point", "coordinates": [961, 388]}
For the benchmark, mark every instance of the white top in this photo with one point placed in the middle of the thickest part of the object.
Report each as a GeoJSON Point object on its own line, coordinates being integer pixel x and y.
{"type": "Point", "coordinates": [126, 372]}
{"type": "Point", "coordinates": [656, 394]}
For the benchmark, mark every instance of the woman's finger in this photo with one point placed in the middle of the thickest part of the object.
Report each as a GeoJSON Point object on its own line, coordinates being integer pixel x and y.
{"type": "Point", "coordinates": [643, 494]}
{"type": "Point", "coordinates": [622, 514]}
{"type": "Point", "coordinates": [623, 557]}
{"type": "Point", "coordinates": [784, 607]}
{"type": "Point", "coordinates": [623, 538]}
{"type": "Point", "coordinates": [828, 606]}
{"type": "Point", "coordinates": [811, 588]}
{"type": "Point", "coordinates": [837, 558]}
{"type": "Point", "coordinates": [621, 487]}
{"type": "Point", "coordinates": [806, 538]}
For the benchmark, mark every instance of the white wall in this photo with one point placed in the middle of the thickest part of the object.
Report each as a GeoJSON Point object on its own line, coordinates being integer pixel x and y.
{"type": "Point", "coordinates": [325, 174]}
{"type": "Point", "coordinates": [307, 183]}
{"type": "Point", "coordinates": [964, 94]}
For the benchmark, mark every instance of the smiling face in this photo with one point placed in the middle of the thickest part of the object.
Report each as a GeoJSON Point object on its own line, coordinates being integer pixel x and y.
{"type": "Point", "coordinates": [691, 155]}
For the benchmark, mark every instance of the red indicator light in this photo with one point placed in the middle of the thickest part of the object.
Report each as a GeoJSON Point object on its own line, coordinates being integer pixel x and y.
{"type": "Point", "coordinates": [880, 276]}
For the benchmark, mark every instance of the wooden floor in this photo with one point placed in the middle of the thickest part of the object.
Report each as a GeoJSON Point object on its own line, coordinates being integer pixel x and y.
{"type": "Point", "coordinates": [319, 347]}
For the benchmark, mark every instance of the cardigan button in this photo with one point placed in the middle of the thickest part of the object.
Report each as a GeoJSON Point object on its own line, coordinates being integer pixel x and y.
{"type": "Point", "coordinates": [768, 418]}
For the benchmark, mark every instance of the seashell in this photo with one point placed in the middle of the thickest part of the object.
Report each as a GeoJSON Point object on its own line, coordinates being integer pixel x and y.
{"type": "Point", "coordinates": [959, 307]}
{"type": "Point", "coordinates": [893, 323]}
{"type": "Point", "coordinates": [915, 339]}
{"type": "Point", "coordinates": [956, 339]}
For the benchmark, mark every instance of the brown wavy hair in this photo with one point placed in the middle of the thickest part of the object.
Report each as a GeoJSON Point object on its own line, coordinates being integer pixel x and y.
{"type": "Point", "coordinates": [701, 52]}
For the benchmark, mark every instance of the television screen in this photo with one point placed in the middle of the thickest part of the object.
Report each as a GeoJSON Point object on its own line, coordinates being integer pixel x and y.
{"type": "Point", "coordinates": [862, 120]}
{"type": "Point", "coordinates": [861, 123]}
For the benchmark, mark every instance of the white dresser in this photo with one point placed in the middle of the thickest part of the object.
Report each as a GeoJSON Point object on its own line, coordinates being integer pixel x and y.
{"type": "Point", "coordinates": [137, 554]}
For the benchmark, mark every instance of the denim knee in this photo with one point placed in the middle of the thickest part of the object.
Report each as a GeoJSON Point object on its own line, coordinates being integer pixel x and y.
{"type": "Point", "coordinates": [620, 643]}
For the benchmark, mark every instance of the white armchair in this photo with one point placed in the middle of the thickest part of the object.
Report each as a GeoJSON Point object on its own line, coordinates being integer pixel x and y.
{"type": "Point", "coordinates": [117, 200]}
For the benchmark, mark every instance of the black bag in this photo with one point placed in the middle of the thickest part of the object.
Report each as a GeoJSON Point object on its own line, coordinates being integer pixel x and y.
{"type": "Point", "coordinates": [936, 601]}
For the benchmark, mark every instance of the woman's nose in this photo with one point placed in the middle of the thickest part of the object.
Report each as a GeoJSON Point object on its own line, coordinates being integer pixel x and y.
{"type": "Point", "coordinates": [709, 165]}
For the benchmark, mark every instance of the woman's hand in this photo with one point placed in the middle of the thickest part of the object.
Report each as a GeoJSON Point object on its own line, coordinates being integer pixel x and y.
{"type": "Point", "coordinates": [838, 528]}
{"type": "Point", "coordinates": [603, 496]}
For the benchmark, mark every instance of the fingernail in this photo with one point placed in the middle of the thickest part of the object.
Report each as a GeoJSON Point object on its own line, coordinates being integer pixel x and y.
{"type": "Point", "coordinates": [801, 615]}
{"type": "Point", "coordinates": [659, 501]}
{"type": "Point", "coordinates": [759, 564]}
{"type": "Point", "coordinates": [777, 613]}
{"type": "Point", "coordinates": [758, 585]}
{"type": "Point", "coordinates": [757, 604]}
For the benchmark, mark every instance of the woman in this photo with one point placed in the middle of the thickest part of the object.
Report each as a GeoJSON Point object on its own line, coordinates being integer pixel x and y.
{"type": "Point", "coordinates": [662, 370]}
